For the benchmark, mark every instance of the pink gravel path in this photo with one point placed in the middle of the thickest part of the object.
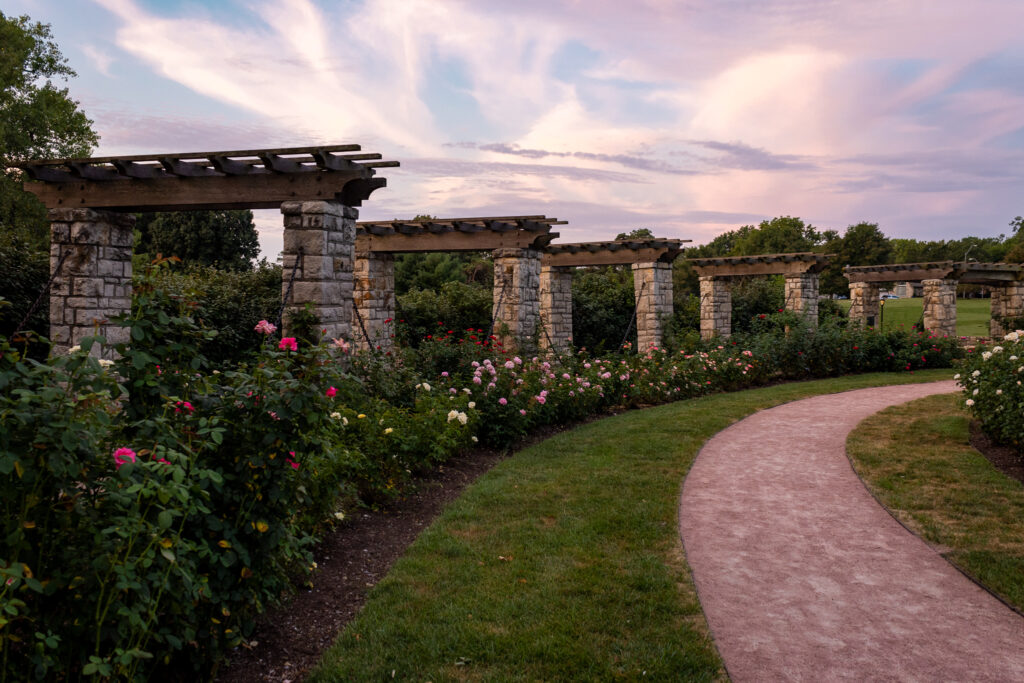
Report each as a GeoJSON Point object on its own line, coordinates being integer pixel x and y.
{"type": "Point", "coordinates": [804, 577]}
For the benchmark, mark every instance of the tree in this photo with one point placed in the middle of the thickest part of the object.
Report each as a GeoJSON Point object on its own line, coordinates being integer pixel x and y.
{"type": "Point", "coordinates": [225, 239]}
{"type": "Point", "coordinates": [37, 119]}
{"type": "Point", "coordinates": [862, 244]}
{"type": "Point", "coordinates": [637, 234]}
{"type": "Point", "coordinates": [777, 236]}
{"type": "Point", "coordinates": [1015, 245]}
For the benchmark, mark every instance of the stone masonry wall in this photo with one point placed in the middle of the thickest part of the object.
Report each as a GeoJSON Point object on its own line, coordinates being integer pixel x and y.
{"type": "Point", "coordinates": [326, 233]}
{"type": "Point", "coordinates": [374, 295]}
{"type": "Point", "coordinates": [95, 281]}
{"type": "Point", "coordinates": [864, 301]}
{"type": "Point", "coordinates": [516, 296]}
{"type": "Point", "coordinates": [940, 307]}
{"type": "Point", "coordinates": [652, 289]}
{"type": "Point", "coordinates": [556, 307]}
{"type": "Point", "coordinates": [801, 293]}
{"type": "Point", "coordinates": [715, 308]}
{"type": "Point", "coordinates": [1007, 301]}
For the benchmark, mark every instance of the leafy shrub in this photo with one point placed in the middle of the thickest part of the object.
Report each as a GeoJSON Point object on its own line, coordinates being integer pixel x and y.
{"type": "Point", "coordinates": [460, 306]}
{"type": "Point", "coordinates": [26, 270]}
{"type": "Point", "coordinates": [603, 302]}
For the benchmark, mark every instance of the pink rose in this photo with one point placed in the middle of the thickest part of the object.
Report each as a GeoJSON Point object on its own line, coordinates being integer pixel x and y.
{"type": "Point", "coordinates": [263, 327]}
{"type": "Point", "coordinates": [331, 392]}
{"type": "Point", "coordinates": [123, 456]}
{"type": "Point", "coordinates": [288, 343]}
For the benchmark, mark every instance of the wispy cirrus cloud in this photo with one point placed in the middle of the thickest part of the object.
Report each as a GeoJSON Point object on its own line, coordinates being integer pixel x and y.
{"type": "Point", "coordinates": [684, 116]}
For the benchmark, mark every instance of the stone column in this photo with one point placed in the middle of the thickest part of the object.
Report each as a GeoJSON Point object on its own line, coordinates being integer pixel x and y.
{"type": "Point", "coordinates": [325, 232]}
{"type": "Point", "coordinates": [374, 294]}
{"type": "Point", "coordinates": [516, 307]}
{"type": "Point", "coordinates": [864, 301]}
{"type": "Point", "coordinates": [996, 328]}
{"type": "Point", "coordinates": [652, 290]}
{"type": "Point", "coordinates": [556, 308]}
{"type": "Point", "coordinates": [940, 307]}
{"type": "Point", "coordinates": [715, 308]}
{"type": "Point", "coordinates": [94, 283]}
{"type": "Point", "coordinates": [1007, 302]}
{"type": "Point", "coordinates": [801, 292]}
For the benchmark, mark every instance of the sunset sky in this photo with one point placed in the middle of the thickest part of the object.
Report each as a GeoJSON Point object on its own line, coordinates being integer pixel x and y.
{"type": "Point", "coordinates": [689, 118]}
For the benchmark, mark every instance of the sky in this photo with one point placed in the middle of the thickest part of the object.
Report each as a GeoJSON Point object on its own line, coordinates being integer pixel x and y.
{"type": "Point", "coordinates": [689, 118]}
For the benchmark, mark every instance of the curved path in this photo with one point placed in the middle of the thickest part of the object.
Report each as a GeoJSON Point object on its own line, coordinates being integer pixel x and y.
{"type": "Point", "coordinates": [803, 576]}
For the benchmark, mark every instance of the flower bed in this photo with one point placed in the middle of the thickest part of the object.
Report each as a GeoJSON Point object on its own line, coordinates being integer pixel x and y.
{"type": "Point", "coordinates": [991, 379]}
{"type": "Point", "coordinates": [154, 505]}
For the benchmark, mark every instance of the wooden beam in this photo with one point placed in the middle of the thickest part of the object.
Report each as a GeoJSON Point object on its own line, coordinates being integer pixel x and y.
{"type": "Point", "coordinates": [757, 268]}
{"type": "Point", "coordinates": [185, 169]}
{"type": "Point", "coordinates": [90, 172]}
{"type": "Point", "coordinates": [483, 240]}
{"type": "Point", "coordinates": [257, 191]}
{"type": "Point", "coordinates": [131, 169]}
{"type": "Point", "coordinates": [604, 257]}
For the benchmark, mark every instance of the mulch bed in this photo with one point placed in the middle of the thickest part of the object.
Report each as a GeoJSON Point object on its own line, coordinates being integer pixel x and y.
{"type": "Point", "coordinates": [1006, 459]}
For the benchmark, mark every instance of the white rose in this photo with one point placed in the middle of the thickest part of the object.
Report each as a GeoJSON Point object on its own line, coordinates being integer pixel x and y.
{"type": "Point", "coordinates": [472, 404]}
{"type": "Point", "coordinates": [969, 402]}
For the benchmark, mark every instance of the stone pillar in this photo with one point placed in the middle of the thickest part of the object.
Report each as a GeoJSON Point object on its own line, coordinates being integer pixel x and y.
{"type": "Point", "coordinates": [516, 309]}
{"type": "Point", "coordinates": [556, 308]}
{"type": "Point", "coordinates": [374, 294]}
{"type": "Point", "coordinates": [940, 307]}
{"type": "Point", "coordinates": [996, 329]}
{"type": "Point", "coordinates": [864, 302]}
{"type": "Point", "coordinates": [325, 232]}
{"type": "Point", "coordinates": [1007, 302]}
{"type": "Point", "coordinates": [715, 308]}
{"type": "Point", "coordinates": [94, 283]}
{"type": "Point", "coordinates": [801, 292]}
{"type": "Point", "coordinates": [652, 290]}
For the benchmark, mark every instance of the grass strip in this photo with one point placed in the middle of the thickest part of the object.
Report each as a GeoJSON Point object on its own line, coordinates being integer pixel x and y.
{"type": "Point", "coordinates": [564, 561]}
{"type": "Point", "coordinates": [918, 461]}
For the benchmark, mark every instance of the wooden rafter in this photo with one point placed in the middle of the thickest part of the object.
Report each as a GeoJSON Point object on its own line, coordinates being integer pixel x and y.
{"type": "Point", "coordinates": [251, 179]}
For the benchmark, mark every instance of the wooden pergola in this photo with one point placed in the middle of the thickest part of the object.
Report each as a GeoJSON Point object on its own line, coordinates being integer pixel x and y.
{"type": "Point", "coordinates": [577, 254]}
{"type": "Point", "coordinates": [939, 280]}
{"type": "Point", "coordinates": [797, 263]}
{"type": "Point", "coordinates": [91, 200]}
{"type": "Point", "coordinates": [456, 234]}
{"type": "Point", "coordinates": [240, 179]}
{"type": "Point", "coordinates": [800, 269]}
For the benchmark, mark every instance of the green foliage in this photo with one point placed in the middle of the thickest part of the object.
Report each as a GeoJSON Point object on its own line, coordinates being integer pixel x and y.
{"type": "Point", "coordinates": [755, 296]}
{"type": "Point", "coordinates": [603, 301]}
{"type": "Point", "coordinates": [227, 302]}
{"type": "Point", "coordinates": [26, 271]}
{"type": "Point", "coordinates": [636, 234]}
{"type": "Point", "coordinates": [460, 307]}
{"type": "Point", "coordinates": [225, 239]}
{"type": "Point", "coordinates": [862, 244]}
{"type": "Point", "coordinates": [432, 270]}
{"type": "Point", "coordinates": [37, 119]}
{"type": "Point", "coordinates": [779, 235]}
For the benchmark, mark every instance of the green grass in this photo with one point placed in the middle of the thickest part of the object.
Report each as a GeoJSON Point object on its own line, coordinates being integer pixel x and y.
{"type": "Point", "coordinates": [917, 460]}
{"type": "Point", "coordinates": [563, 562]}
{"type": "Point", "coordinates": [972, 315]}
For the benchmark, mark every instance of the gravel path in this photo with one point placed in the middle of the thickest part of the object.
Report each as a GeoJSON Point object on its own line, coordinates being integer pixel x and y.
{"type": "Point", "coordinates": [803, 576]}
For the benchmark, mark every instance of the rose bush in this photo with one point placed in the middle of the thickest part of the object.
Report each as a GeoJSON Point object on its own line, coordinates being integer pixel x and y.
{"type": "Point", "coordinates": [991, 378]}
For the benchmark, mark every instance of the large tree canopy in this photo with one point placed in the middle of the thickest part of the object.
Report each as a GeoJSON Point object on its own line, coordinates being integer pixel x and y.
{"type": "Point", "coordinates": [225, 239]}
{"type": "Point", "coordinates": [37, 118]}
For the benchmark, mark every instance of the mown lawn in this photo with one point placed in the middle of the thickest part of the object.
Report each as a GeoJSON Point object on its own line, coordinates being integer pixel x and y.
{"type": "Point", "coordinates": [564, 562]}
{"type": "Point", "coordinates": [917, 460]}
{"type": "Point", "coordinates": [972, 315]}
